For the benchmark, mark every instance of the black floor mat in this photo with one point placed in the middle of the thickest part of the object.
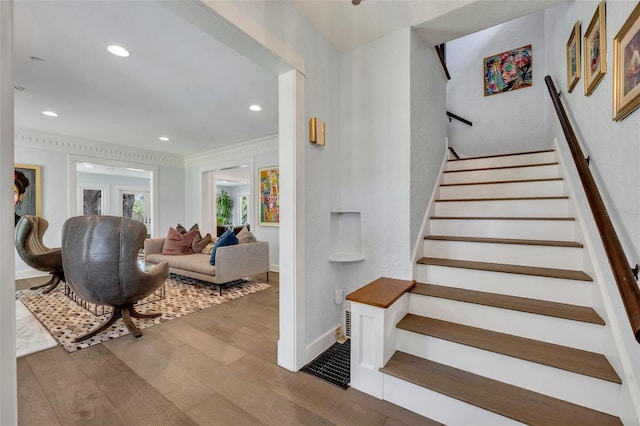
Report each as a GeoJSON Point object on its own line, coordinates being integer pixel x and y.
{"type": "Point", "coordinates": [333, 365]}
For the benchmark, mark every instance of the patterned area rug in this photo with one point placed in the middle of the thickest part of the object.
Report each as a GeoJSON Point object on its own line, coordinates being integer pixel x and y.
{"type": "Point", "coordinates": [65, 319]}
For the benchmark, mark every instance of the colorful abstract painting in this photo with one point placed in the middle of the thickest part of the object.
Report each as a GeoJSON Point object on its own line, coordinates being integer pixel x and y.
{"type": "Point", "coordinates": [508, 71]}
{"type": "Point", "coordinates": [269, 194]}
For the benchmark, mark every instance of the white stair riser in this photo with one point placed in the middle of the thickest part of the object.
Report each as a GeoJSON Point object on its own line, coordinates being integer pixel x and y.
{"type": "Point", "coordinates": [594, 393]}
{"type": "Point", "coordinates": [560, 331]}
{"type": "Point", "coordinates": [511, 254]}
{"type": "Point", "coordinates": [512, 173]}
{"type": "Point", "coordinates": [439, 407]}
{"type": "Point", "coordinates": [546, 188]}
{"type": "Point", "coordinates": [503, 161]}
{"type": "Point", "coordinates": [550, 289]}
{"type": "Point", "coordinates": [563, 230]}
{"type": "Point", "coordinates": [504, 208]}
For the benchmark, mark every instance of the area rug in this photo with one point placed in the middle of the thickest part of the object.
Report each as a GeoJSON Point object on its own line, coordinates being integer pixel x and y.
{"type": "Point", "coordinates": [65, 319]}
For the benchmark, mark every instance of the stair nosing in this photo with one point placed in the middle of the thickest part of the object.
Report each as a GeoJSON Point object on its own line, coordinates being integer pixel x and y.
{"type": "Point", "coordinates": [557, 197]}
{"type": "Point", "coordinates": [513, 303]}
{"type": "Point", "coordinates": [565, 358]}
{"type": "Point", "coordinates": [515, 154]}
{"type": "Point", "coordinates": [499, 182]}
{"type": "Point", "coordinates": [548, 243]}
{"type": "Point", "coordinates": [571, 219]}
{"type": "Point", "coordinates": [555, 163]}
{"type": "Point", "coordinates": [498, 397]}
{"type": "Point", "coordinates": [507, 268]}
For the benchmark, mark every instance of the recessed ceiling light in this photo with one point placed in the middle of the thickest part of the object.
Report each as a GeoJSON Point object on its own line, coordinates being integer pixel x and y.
{"type": "Point", "coordinates": [88, 165]}
{"type": "Point", "coordinates": [164, 138]}
{"type": "Point", "coordinates": [118, 51]}
{"type": "Point", "coordinates": [255, 108]}
{"type": "Point", "coordinates": [50, 113]}
{"type": "Point", "coordinates": [134, 170]}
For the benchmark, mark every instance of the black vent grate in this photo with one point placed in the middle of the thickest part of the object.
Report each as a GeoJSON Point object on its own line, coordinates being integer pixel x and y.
{"type": "Point", "coordinates": [333, 365]}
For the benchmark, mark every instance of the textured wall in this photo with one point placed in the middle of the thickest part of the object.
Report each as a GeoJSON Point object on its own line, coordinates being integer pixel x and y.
{"type": "Point", "coordinates": [506, 122]}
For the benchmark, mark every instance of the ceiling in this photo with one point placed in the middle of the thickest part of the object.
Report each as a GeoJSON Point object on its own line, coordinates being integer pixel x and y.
{"type": "Point", "coordinates": [180, 82]}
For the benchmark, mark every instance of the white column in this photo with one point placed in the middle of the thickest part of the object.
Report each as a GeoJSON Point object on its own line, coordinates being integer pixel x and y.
{"type": "Point", "coordinates": [291, 345]}
{"type": "Point", "coordinates": [8, 389]}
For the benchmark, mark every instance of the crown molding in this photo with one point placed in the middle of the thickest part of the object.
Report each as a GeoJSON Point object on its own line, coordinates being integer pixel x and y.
{"type": "Point", "coordinates": [238, 151]}
{"type": "Point", "coordinates": [92, 148]}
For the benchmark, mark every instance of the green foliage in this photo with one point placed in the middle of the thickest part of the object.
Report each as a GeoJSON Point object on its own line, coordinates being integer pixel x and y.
{"type": "Point", "coordinates": [224, 208]}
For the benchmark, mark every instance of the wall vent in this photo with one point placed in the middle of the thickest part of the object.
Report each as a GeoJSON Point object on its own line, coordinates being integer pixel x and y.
{"type": "Point", "coordinates": [346, 319]}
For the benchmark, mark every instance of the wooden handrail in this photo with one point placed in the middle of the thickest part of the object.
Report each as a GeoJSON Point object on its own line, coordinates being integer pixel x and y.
{"type": "Point", "coordinates": [627, 285]}
{"type": "Point", "coordinates": [457, 117]}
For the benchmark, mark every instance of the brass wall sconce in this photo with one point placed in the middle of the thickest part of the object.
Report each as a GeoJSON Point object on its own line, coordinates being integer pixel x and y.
{"type": "Point", "coordinates": [317, 131]}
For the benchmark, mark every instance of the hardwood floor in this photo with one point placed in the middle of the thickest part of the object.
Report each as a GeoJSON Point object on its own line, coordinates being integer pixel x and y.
{"type": "Point", "coordinates": [213, 367]}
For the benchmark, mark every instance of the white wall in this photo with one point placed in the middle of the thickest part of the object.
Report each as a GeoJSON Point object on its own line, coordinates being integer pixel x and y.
{"type": "Point", "coordinates": [428, 129]}
{"type": "Point", "coordinates": [53, 153]}
{"type": "Point", "coordinates": [614, 149]}
{"type": "Point", "coordinates": [497, 118]}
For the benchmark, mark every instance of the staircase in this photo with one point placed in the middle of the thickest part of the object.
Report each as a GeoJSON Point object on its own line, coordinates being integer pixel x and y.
{"type": "Point", "coordinates": [501, 328]}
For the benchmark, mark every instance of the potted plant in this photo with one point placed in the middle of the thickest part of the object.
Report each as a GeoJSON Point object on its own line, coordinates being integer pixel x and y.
{"type": "Point", "coordinates": [224, 208]}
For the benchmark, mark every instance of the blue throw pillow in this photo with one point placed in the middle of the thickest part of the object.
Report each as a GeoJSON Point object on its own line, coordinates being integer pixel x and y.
{"type": "Point", "coordinates": [226, 239]}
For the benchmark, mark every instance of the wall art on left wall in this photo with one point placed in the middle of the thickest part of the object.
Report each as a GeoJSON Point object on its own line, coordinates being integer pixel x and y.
{"type": "Point", "coordinates": [27, 190]}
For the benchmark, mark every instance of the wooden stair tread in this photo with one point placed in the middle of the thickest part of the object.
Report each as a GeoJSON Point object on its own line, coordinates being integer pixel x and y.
{"type": "Point", "coordinates": [503, 155]}
{"type": "Point", "coordinates": [501, 218]}
{"type": "Point", "coordinates": [507, 400]}
{"type": "Point", "coordinates": [448, 200]}
{"type": "Point", "coordinates": [492, 182]}
{"type": "Point", "coordinates": [514, 303]}
{"type": "Point", "coordinates": [550, 243]}
{"type": "Point", "coordinates": [509, 269]}
{"type": "Point", "coordinates": [570, 359]}
{"type": "Point", "coordinates": [502, 167]}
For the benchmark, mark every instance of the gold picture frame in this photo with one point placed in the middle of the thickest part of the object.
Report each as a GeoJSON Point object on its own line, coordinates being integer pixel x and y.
{"type": "Point", "coordinates": [573, 57]}
{"type": "Point", "coordinates": [31, 200]}
{"type": "Point", "coordinates": [626, 67]}
{"type": "Point", "coordinates": [595, 50]}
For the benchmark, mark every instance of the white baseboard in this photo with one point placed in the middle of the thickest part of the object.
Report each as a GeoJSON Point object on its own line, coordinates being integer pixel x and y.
{"type": "Point", "coordinates": [320, 345]}
{"type": "Point", "coordinates": [274, 267]}
{"type": "Point", "coordinates": [29, 273]}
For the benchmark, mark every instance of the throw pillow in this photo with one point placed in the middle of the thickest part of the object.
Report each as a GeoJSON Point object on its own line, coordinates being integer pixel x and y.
{"type": "Point", "coordinates": [227, 239]}
{"type": "Point", "coordinates": [181, 229]}
{"type": "Point", "coordinates": [199, 242]}
{"type": "Point", "coordinates": [208, 248]}
{"type": "Point", "coordinates": [177, 244]}
{"type": "Point", "coordinates": [245, 236]}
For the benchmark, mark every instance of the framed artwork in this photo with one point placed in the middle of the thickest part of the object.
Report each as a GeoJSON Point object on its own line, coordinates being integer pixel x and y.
{"type": "Point", "coordinates": [595, 50]}
{"type": "Point", "coordinates": [573, 57]}
{"type": "Point", "coordinates": [269, 193]}
{"type": "Point", "coordinates": [508, 71]}
{"type": "Point", "coordinates": [626, 67]}
{"type": "Point", "coordinates": [27, 190]}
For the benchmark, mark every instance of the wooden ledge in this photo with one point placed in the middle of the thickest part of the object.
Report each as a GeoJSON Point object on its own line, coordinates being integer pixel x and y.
{"type": "Point", "coordinates": [382, 292]}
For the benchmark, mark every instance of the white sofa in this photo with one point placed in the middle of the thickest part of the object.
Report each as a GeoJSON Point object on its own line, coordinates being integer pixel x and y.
{"type": "Point", "coordinates": [232, 262]}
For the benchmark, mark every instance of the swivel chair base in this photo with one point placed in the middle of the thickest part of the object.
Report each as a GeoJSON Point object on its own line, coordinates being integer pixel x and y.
{"type": "Point", "coordinates": [56, 277]}
{"type": "Point", "coordinates": [125, 312]}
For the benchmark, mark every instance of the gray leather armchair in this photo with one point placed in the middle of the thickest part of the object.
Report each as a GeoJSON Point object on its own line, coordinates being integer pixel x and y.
{"type": "Point", "coordinates": [100, 259]}
{"type": "Point", "coordinates": [31, 249]}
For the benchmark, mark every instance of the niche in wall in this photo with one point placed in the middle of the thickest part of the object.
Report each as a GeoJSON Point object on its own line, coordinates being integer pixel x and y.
{"type": "Point", "coordinates": [346, 237]}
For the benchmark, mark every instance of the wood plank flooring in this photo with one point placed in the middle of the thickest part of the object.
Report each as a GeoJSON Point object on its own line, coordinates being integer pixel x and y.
{"type": "Point", "coordinates": [213, 367]}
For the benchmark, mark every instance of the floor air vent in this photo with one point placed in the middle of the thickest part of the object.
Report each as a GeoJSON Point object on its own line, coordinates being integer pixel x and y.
{"type": "Point", "coordinates": [333, 365]}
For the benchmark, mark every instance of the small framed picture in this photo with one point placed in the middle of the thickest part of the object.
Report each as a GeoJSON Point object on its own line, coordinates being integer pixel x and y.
{"type": "Point", "coordinates": [626, 67]}
{"type": "Point", "coordinates": [573, 57]}
{"type": "Point", "coordinates": [595, 50]}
